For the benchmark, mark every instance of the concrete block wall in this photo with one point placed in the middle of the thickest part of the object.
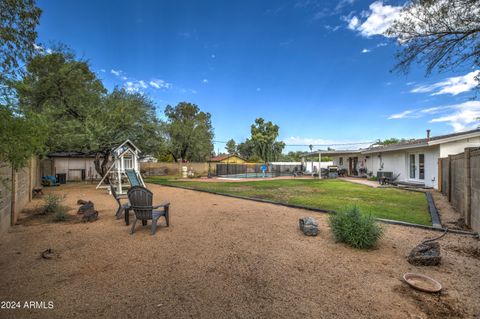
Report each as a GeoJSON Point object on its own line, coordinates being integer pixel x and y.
{"type": "Point", "coordinates": [16, 190]}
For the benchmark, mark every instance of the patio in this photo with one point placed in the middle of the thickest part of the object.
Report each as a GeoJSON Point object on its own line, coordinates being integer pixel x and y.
{"type": "Point", "coordinates": [224, 257]}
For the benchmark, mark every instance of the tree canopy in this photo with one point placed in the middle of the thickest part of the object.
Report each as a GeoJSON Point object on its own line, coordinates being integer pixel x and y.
{"type": "Point", "coordinates": [18, 21]}
{"type": "Point", "coordinates": [438, 34]}
{"type": "Point", "coordinates": [20, 132]}
{"type": "Point", "coordinates": [231, 146]}
{"type": "Point", "coordinates": [189, 132]}
{"type": "Point", "coordinates": [264, 139]}
{"type": "Point", "coordinates": [80, 115]}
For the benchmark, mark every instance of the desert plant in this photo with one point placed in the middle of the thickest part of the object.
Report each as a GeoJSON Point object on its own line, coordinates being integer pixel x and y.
{"type": "Point", "coordinates": [353, 228]}
{"type": "Point", "coordinates": [60, 214]}
{"type": "Point", "coordinates": [51, 204]}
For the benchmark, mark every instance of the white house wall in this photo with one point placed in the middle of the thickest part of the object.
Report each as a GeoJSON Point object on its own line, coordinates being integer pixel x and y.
{"type": "Point", "coordinates": [456, 147]}
{"type": "Point", "coordinates": [397, 163]}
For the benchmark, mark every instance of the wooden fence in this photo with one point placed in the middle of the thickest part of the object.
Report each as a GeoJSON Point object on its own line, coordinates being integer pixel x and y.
{"type": "Point", "coordinates": [16, 190]}
{"type": "Point", "coordinates": [460, 181]}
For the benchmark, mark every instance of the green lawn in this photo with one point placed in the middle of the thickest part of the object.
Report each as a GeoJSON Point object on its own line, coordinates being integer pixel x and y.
{"type": "Point", "coordinates": [386, 203]}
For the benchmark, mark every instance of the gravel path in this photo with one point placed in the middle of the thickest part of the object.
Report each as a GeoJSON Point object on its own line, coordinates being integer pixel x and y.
{"type": "Point", "coordinates": [223, 258]}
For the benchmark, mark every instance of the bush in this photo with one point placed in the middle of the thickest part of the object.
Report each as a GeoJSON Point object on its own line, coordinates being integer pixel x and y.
{"type": "Point", "coordinates": [355, 229]}
{"type": "Point", "coordinates": [51, 204]}
{"type": "Point", "coordinates": [60, 214]}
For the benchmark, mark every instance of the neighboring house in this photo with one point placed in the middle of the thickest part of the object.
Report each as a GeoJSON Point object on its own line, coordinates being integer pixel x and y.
{"type": "Point", "coordinates": [416, 160]}
{"type": "Point", "coordinates": [227, 159]}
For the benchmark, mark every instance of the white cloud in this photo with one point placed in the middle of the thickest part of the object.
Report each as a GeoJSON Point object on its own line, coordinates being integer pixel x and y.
{"type": "Point", "coordinates": [135, 86]}
{"type": "Point", "coordinates": [378, 19]}
{"type": "Point", "coordinates": [353, 23]}
{"type": "Point", "coordinates": [41, 49]}
{"type": "Point", "coordinates": [453, 85]}
{"type": "Point", "coordinates": [103, 70]}
{"type": "Point", "coordinates": [205, 81]}
{"type": "Point", "coordinates": [213, 56]}
{"type": "Point", "coordinates": [366, 50]}
{"type": "Point", "coordinates": [116, 72]}
{"type": "Point", "coordinates": [462, 116]}
{"type": "Point", "coordinates": [401, 115]}
{"type": "Point", "coordinates": [160, 84]}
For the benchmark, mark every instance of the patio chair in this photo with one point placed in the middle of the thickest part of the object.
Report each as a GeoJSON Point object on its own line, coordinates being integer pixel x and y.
{"type": "Point", "coordinates": [121, 207]}
{"type": "Point", "coordinates": [141, 203]}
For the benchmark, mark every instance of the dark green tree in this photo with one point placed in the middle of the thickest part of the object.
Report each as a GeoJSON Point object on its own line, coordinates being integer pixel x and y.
{"type": "Point", "coordinates": [189, 132]}
{"type": "Point", "coordinates": [79, 113]}
{"type": "Point", "coordinates": [231, 146]}
{"type": "Point", "coordinates": [264, 138]}
{"type": "Point", "coordinates": [20, 136]}
{"type": "Point", "coordinates": [246, 149]}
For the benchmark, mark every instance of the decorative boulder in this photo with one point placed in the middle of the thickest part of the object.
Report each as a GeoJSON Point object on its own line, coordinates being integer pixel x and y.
{"type": "Point", "coordinates": [309, 226]}
{"type": "Point", "coordinates": [88, 211]}
{"type": "Point", "coordinates": [90, 216]}
{"type": "Point", "coordinates": [425, 254]}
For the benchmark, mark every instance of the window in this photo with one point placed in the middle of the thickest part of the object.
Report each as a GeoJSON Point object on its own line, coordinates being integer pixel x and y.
{"type": "Point", "coordinates": [340, 161]}
{"type": "Point", "coordinates": [421, 166]}
{"type": "Point", "coordinates": [128, 162]}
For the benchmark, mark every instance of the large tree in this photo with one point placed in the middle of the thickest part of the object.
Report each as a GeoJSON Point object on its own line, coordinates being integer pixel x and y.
{"type": "Point", "coordinates": [438, 34]}
{"type": "Point", "coordinates": [231, 146]}
{"type": "Point", "coordinates": [246, 149]}
{"type": "Point", "coordinates": [20, 134]}
{"type": "Point", "coordinates": [80, 114]}
{"type": "Point", "coordinates": [18, 21]}
{"type": "Point", "coordinates": [189, 132]}
{"type": "Point", "coordinates": [264, 138]}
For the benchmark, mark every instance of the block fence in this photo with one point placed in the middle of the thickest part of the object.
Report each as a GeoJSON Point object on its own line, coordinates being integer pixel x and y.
{"type": "Point", "coordinates": [16, 190]}
{"type": "Point", "coordinates": [459, 180]}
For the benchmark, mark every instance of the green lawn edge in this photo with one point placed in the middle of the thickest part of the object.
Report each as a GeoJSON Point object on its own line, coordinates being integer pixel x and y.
{"type": "Point", "coordinates": [335, 195]}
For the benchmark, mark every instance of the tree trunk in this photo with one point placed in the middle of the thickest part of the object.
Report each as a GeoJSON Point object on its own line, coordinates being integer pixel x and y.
{"type": "Point", "coordinates": [102, 164]}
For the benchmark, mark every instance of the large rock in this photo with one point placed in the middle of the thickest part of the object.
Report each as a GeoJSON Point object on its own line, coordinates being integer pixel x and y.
{"type": "Point", "coordinates": [88, 211]}
{"type": "Point", "coordinates": [425, 254]}
{"type": "Point", "coordinates": [309, 226]}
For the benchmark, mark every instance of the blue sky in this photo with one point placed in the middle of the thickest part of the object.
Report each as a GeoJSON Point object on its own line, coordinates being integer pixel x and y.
{"type": "Point", "coordinates": [318, 69]}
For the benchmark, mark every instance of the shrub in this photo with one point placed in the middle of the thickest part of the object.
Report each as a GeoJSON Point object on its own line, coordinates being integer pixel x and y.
{"type": "Point", "coordinates": [355, 229]}
{"type": "Point", "coordinates": [51, 204]}
{"type": "Point", "coordinates": [60, 214]}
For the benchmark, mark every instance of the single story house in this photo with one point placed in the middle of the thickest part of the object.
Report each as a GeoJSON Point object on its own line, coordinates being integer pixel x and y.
{"type": "Point", "coordinates": [227, 159]}
{"type": "Point", "coordinates": [415, 161]}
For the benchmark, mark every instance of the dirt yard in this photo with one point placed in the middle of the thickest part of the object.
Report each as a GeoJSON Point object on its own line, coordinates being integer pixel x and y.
{"type": "Point", "coordinates": [223, 258]}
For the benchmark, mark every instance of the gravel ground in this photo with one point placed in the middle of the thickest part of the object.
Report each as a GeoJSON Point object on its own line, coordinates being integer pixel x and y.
{"type": "Point", "coordinates": [223, 258]}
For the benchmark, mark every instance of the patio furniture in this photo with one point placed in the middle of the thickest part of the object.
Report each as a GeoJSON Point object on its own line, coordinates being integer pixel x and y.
{"type": "Point", "coordinates": [49, 181]}
{"type": "Point", "coordinates": [141, 203]}
{"type": "Point", "coordinates": [121, 207]}
{"type": "Point", "coordinates": [385, 178]}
